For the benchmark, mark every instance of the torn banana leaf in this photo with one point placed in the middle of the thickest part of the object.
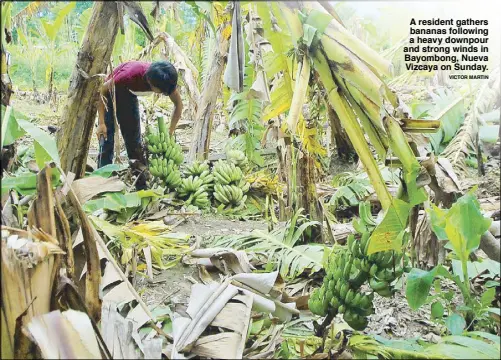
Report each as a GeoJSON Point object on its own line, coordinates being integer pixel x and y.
{"type": "Point", "coordinates": [154, 234]}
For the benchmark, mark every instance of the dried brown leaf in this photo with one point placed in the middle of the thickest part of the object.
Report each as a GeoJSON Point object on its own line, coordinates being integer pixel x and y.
{"type": "Point", "coordinates": [67, 335]}
{"type": "Point", "coordinates": [86, 188]}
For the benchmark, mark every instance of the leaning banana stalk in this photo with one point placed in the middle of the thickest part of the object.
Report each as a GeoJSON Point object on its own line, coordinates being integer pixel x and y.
{"type": "Point", "coordinates": [336, 31]}
{"type": "Point", "coordinates": [378, 140]}
{"type": "Point", "coordinates": [352, 127]}
{"type": "Point", "coordinates": [410, 164]}
{"type": "Point", "coordinates": [299, 96]}
{"type": "Point", "coordinates": [371, 110]}
{"type": "Point", "coordinates": [352, 69]}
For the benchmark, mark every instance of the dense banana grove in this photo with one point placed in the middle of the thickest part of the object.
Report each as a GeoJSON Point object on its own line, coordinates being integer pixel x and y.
{"type": "Point", "coordinates": [348, 269]}
{"type": "Point", "coordinates": [196, 184]}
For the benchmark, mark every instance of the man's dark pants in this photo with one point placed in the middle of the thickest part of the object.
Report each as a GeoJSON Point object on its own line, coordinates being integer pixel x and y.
{"type": "Point", "coordinates": [129, 121]}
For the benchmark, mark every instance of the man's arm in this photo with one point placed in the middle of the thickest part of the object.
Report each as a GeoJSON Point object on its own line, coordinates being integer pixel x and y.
{"type": "Point", "coordinates": [178, 109]}
{"type": "Point", "coordinates": [103, 93]}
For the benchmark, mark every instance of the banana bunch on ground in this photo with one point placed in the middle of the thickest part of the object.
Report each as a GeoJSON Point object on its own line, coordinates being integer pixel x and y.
{"type": "Point", "coordinates": [340, 292]}
{"type": "Point", "coordinates": [196, 168]}
{"type": "Point", "coordinates": [200, 169]}
{"type": "Point", "coordinates": [194, 191]}
{"type": "Point", "coordinates": [166, 170]}
{"type": "Point", "coordinates": [238, 158]}
{"type": "Point", "coordinates": [166, 155]}
{"type": "Point", "coordinates": [230, 187]}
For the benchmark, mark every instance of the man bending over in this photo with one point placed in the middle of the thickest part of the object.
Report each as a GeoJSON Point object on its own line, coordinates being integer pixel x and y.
{"type": "Point", "coordinates": [131, 79]}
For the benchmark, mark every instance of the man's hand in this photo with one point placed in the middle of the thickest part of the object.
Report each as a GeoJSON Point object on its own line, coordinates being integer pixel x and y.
{"type": "Point", "coordinates": [102, 130]}
{"type": "Point", "coordinates": [101, 127]}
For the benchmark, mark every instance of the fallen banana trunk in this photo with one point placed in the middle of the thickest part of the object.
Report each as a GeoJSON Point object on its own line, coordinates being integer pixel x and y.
{"type": "Point", "coordinates": [227, 305]}
{"type": "Point", "coordinates": [490, 242]}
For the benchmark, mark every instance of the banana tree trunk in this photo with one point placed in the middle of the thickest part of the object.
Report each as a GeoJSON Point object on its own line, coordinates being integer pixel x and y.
{"type": "Point", "coordinates": [205, 114]}
{"type": "Point", "coordinates": [344, 148]}
{"type": "Point", "coordinates": [81, 106]}
{"type": "Point", "coordinates": [6, 83]}
{"type": "Point", "coordinates": [306, 180]}
{"type": "Point", "coordinates": [51, 84]}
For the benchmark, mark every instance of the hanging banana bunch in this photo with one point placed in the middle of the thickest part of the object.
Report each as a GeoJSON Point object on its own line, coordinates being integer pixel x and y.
{"type": "Point", "coordinates": [350, 268]}
{"type": "Point", "coordinates": [166, 155]}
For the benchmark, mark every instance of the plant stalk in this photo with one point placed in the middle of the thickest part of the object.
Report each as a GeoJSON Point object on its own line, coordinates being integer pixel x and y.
{"type": "Point", "coordinates": [353, 130]}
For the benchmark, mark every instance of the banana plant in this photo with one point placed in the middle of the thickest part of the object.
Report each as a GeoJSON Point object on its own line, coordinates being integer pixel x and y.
{"type": "Point", "coordinates": [28, 11]}
{"type": "Point", "coordinates": [353, 77]}
{"type": "Point", "coordinates": [31, 51]}
{"type": "Point", "coordinates": [14, 126]}
{"type": "Point", "coordinates": [49, 31]}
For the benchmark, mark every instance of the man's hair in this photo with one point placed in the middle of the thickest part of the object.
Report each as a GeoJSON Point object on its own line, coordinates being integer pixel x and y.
{"type": "Point", "coordinates": [162, 75]}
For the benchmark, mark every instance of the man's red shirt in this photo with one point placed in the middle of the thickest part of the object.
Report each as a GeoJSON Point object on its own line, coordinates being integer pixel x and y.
{"type": "Point", "coordinates": [131, 75]}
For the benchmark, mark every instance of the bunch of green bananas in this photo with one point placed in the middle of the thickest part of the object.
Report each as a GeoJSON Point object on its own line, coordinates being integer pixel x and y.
{"type": "Point", "coordinates": [237, 157]}
{"type": "Point", "coordinates": [340, 292]}
{"type": "Point", "coordinates": [229, 194]}
{"type": "Point", "coordinates": [165, 145]}
{"type": "Point", "coordinates": [196, 168]}
{"type": "Point", "coordinates": [194, 191]}
{"type": "Point", "coordinates": [166, 170]}
{"type": "Point", "coordinates": [349, 268]}
{"type": "Point", "coordinates": [227, 173]}
{"type": "Point", "coordinates": [382, 267]}
{"type": "Point", "coordinates": [230, 186]}
{"type": "Point", "coordinates": [166, 155]}
{"type": "Point", "coordinates": [200, 169]}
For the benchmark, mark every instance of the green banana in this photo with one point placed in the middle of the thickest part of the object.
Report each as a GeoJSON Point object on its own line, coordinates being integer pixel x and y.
{"type": "Point", "coordinates": [335, 302]}
{"type": "Point", "coordinates": [356, 300]}
{"type": "Point", "coordinates": [350, 295]}
{"type": "Point", "coordinates": [378, 286]}
{"type": "Point", "coordinates": [373, 270]}
{"type": "Point", "coordinates": [344, 290]}
{"type": "Point", "coordinates": [347, 268]}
